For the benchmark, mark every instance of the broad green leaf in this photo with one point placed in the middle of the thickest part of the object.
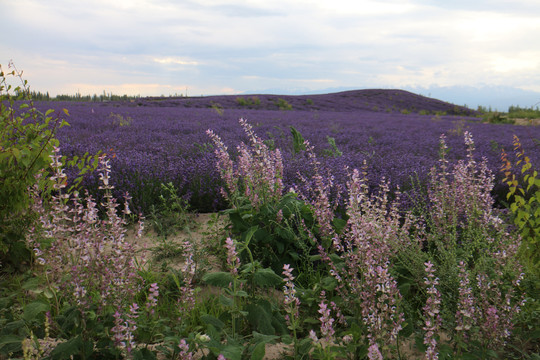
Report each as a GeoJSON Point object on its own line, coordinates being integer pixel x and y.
{"type": "Point", "coordinates": [232, 352]}
{"type": "Point", "coordinates": [259, 352]}
{"type": "Point", "coordinates": [246, 236]}
{"type": "Point", "coordinates": [31, 284]}
{"type": "Point", "coordinates": [221, 279]}
{"type": "Point", "coordinates": [214, 321]}
{"type": "Point", "coordinates": [266, 278]}
{"type": "Point", "coordinates": [34, 309]}
{"type": "Point", "coordinates": [226, 301]}
{"type": "Point", "coordinates": [260, 319]}
{"type": "Point", "coordinates": [65, 350]}
{"type": "Point", "coordinates": [10, 339]}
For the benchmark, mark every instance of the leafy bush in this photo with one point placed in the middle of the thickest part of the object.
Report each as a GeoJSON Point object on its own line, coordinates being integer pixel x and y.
{"type": "Point", "coordinates": [524, 197]}
{"type": "Point", "coordinates": [263, 219]}
{"type": "Point", "coordinates": [26, 144]}
{"type": "Point", "coordinates": [283, 104]}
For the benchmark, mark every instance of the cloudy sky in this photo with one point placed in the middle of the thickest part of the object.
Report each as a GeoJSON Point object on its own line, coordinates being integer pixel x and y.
{"type": "Point", "coordinates": [206, 47]}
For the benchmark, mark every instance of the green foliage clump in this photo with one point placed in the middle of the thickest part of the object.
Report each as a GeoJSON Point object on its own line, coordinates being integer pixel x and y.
{"type": "Point", "coordinates": [497, 118]}
{"type": "Point", "coordinates": [524, 197]}
{"type": "Point", "coordinates": [524, 113]}
{"type": "Point", "coordinates": [120, 120]}
{"type": "Point", "coordinates": [298, 140]}
{"type": "Point", "coordinates": [26, 144]}
{"type": "Point", "coordinates": [248, 102]}
{"type": "Point", "coordinates": [333, 151]}
{"type": "Point", "coordinates": [283, 104]}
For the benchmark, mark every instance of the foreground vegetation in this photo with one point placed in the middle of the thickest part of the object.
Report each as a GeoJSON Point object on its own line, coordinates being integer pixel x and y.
{"type": "Point", "coordinates": [453, 277]}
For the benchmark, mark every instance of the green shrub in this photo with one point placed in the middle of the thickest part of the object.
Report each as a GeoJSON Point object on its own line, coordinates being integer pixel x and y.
{"type": "Point", "coordinates": [26, 144]}
{"type": "Point", "coordinates": [283, 104]}
{"type": "Point", "coordinates": [524, 197]}
{"type": "Point", "coordinates": [298, 140]}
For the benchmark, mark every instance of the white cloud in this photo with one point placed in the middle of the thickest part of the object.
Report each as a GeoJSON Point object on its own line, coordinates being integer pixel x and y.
{"type": "Point", "coordinates": [216, 46]}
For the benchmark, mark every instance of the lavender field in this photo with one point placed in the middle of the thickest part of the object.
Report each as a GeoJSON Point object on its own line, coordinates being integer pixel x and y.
{"type": "Point", "coordinates": [160, 140]}
{"type": "Point", "coordinates": [369, 224]}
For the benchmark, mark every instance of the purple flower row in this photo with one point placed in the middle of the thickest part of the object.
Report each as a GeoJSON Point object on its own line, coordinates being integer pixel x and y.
{"type": "Point", "coordinates": [149, 145]}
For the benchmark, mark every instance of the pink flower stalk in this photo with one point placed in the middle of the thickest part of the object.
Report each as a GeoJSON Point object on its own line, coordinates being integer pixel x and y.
{"type": "Point", "coordinates": [225, 165]}
{"type": "Point", "coordinates": [291, 302]}
{"type": "Point", "coordinates": [187, 299]}
{"type": "Point", "coordinates": [462, 198]}
{"type": "Point", "coordinates": [465, 314]}
{"type": "Point", "coordinates": [431, 313]}
{"type": "Point", "coordinates": [232, 256]}
{"type": "Point", "coordinates": [496, 311]}
{"type": "Point", "coordinates": [185, 354]}
{"type": "Point", "coordinates": [374, 353]}
{"type": "Point", "coordinates": [321, 193]}
{"type": "Point", "coordinates": [327, 329]}
{"type": "Point", "coordinates": [153, 294]}
{"type": "Point", "coordinates": [87, 255]}
{"type": "Point", "coordinates": [380, 298]}
{"type": "Point", "coordinates": [279, 216]}
{"type": "Point", "coordinates": [123, 329]}
{"type": "Point", "coordinates": [258, 174]}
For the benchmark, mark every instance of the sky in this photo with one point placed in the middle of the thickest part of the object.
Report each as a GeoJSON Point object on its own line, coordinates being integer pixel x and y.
{"type": "Point", "coordinates": [213, 47]}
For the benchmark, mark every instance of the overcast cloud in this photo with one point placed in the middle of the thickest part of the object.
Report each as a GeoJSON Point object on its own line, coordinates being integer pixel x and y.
{"type": "Point", "coordinates": [295, 46]}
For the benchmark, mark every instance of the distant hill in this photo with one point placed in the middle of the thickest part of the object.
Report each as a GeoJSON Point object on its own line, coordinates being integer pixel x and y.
{"type": "Point", "coordinates": [375, 100]}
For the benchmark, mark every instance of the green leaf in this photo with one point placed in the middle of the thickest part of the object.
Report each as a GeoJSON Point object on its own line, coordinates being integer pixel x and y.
{"type": "Point", "coordinates": [259, 352]}
{"type": "Point", "coordinates": [10, 339]}
{"type": "Point", "coordinates": [32, 310]}
{"type": "Point", "coordinates": [246, 236]}
{"type": "Point", "coordinates": [260, 318]}
{"type": "Point", "coordinates": [71, 347]}
{"type": "Point", "coordinates": [16, 153]}
{"type": "Point", "coordinates": [220, 278]}
{"type": "Point", "coordinates": [242, 293]}
{"type": "Point", "coordinates": [226, 301]}
{"type": "Point", "coordinates": [232, 352]}
{"type": "Point", "coordinates": [215, 322]}
{"type": "Point", "coordinates": [266, 278]}
{"type": "Point", "coordinates": [31, 284]}
{"type": "Point", "coordinates": [339, 224]}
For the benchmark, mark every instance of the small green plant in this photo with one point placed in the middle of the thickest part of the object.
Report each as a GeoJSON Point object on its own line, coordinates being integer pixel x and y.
{"type": "Point", "coordinates": [245, 310]}
{"type": "Point", "coordinates": [460, 127]}
{"type": "Point", "coordinates": [333, 151]}
{"type": "Point", "coordinates": [282, 104]}
{"type": "Point", "coordinates": [172, 214]}
{"type": "Point", "coordinates": [120, 120]}
{"type": "Point", "coordinates": [298, 140]}
{"type": "Point", "coordinates": [497, 118]}
{"type": "Point", "coordinates": [309, 102]}
{"type": "Point", "coordinates": [218, 108]}
{"type": "Point", "coordinates": [524, 197]}
{"type": "Point", "coordinates": [248, 102]}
